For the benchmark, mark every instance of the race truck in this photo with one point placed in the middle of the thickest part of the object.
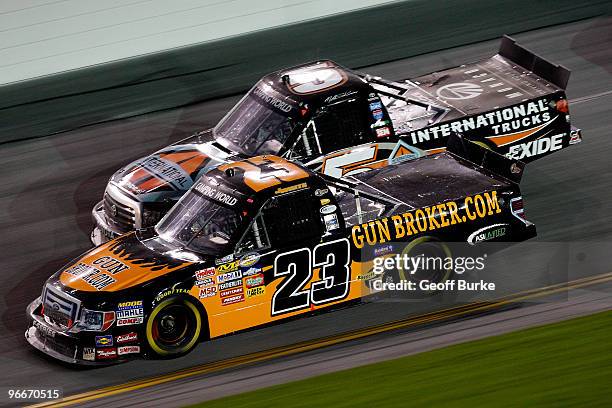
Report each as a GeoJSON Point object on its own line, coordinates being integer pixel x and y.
{"type": "Point", "coordinates": [264, 239]}
{"type": "Point", "coordinates": [340, 122]}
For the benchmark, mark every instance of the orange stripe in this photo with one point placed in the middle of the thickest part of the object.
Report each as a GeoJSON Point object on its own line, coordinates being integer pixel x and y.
{"type": "Point", "coordinates": [151, 184]}
{"type": "Point", "coordinates": [434, 151]}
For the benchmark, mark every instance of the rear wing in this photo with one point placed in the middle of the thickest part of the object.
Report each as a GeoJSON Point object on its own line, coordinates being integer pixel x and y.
{"type": "Point", "coordinates": [553, 73]}
{"type": "Point", "coordinates": [488, 160]}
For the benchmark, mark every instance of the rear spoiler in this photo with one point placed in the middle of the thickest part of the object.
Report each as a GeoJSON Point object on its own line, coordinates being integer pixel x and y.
{"type": "Point", "coordinates": [553, 73]}
{"type": "Point", "coordinates": [511, 170]}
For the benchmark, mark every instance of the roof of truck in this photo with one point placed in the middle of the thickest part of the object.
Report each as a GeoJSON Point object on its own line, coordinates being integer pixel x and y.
{"type": "Point", "coordinates": [260, 177]}
{"type": "Point", "coordinates": [315, 82]}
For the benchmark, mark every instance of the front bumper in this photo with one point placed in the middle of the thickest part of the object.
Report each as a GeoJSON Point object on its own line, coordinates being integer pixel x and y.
{"type": "Point", "coordinates": [54, 343]}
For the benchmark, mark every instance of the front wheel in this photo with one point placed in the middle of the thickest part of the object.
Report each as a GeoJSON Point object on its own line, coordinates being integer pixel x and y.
{"type": "Point", "coordinates": [173, 327]}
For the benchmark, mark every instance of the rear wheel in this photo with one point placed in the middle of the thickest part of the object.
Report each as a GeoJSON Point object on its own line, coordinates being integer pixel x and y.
{"type": "Point", "coordinates": [436, 271]}
{"type": "Point", "coordinates": [173, 327]}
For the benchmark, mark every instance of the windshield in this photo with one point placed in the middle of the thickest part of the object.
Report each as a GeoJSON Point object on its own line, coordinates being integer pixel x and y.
{"type": "Point", "coordinates": [259, 124]}
{"type": "Point", "coordinates": [199, 224]}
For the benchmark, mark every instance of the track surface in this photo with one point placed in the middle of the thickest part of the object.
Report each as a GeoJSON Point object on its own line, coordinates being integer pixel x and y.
{"type": "Point", "coordinates": [373, 349]}
{"type": "Point", "coordinates": [50, 184]}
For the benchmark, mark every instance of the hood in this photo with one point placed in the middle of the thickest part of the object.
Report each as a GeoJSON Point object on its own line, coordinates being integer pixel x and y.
{"type": "Point", "coordinates": [119, 264]}
{"type": "Point", "coordinates": [168, 172]}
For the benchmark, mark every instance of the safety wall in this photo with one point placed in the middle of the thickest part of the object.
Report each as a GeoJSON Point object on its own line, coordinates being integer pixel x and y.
{"type": "Point", "coordinates": [227, 63]}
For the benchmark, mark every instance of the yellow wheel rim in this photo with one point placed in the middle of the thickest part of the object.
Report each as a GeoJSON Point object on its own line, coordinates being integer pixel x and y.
{"type": "Point", "coordinates": [155, 312]}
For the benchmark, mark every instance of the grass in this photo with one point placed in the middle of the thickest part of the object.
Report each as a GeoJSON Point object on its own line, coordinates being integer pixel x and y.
{"type": "Point", "coordinates": [561, 364]}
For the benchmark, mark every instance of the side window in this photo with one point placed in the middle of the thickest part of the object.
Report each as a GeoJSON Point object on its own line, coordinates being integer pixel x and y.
{"type": "Point", "coordinates": [343, 124]}
{"type": "Point", "coordinates": [306, 144]}
{"type": "Point", "coordinates": [255, 237]}
{"type": "Point", "coordinates": [293, 218]}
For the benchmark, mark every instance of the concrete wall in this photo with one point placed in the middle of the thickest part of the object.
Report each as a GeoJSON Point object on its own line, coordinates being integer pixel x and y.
{"type": "Point", "coordinates": [41, 37]}
{"type": "Point", "coordinates": [194, 73]}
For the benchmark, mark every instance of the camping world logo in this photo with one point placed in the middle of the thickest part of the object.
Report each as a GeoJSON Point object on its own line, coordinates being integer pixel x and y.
{"type": "Point", "coordinates": [460, 90]}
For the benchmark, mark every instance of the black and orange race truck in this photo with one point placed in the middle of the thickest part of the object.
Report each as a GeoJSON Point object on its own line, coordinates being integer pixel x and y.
{"type": "Point", "coordinates": [264, 239]}
{"type": "Point", "coordinates": [341, 122]}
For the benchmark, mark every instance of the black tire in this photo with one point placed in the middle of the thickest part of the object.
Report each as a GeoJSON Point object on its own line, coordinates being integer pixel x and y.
{"type": "Point", "coordinates": [429, 247]}
{"type": "Point", "coordinates": [173, 328]}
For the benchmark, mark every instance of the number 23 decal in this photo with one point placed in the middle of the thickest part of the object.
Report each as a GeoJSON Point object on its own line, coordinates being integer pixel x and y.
{"type": "Point", "coordinates": [332, 257]}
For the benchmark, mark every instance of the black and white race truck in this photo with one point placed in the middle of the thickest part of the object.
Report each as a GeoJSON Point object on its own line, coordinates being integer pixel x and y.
{"type": "Point", "coordinates": [341, 122]}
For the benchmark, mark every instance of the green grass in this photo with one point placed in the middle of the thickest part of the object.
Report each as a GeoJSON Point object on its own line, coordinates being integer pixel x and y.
{"type": "Point", "coordinates": [562, 364]}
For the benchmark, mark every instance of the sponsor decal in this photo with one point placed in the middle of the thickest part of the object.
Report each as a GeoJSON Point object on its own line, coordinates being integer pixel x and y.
{"type": "Point", "coordinates": [575, 137]}
{"type": "Point", "coordinates": [128, 321]}
{"type": "Point", "coordinates": [377, 114]}
{"type": "Point", "coordinates": [110, 265]}
{"type": "Point", "coordinates": [228, 267]}
{"type": "Point", "coordinates": [295, 187]}
{"type": "Point", "coordinates": [205, 273]}
{"type": "Point", "coordinates": [249, 259]}
{"type": "Point", "coordinates": [229, 276]}
{"type": "Point", "coordinates": [255, 280]}
{"type": "Point", "coordinates": [232, 299]}
{"type": "Point", "coordinates": [44, 329]}
{"type": "Point", "coordinates": [231, 292]}
{"type": "Point", "coordinates": [106, 354]}
{"type": "Point", "coordinates": [129, 313]}
{"type": "Point", "coordinates": [207, 292]}
{"type": "Point", "coordinates": [128, 350]}
{"type": "Point", "coordinates": [380, 123]}
{"type": "Point", "coordinates": [403, 152]}
{"type": "Point", "coordinates": [319, 192]}
{"type": "Point", "coordinates": [375, 105]}
{"type": "Point", "coordinates": [251, 271]}
{"type": "Point", "coordinates": [225, 259]}
{"type": "Point", "coordinates": [168, 171]}
{"type": "Point", "coordinates": [104, 341]}
{"type": "Point", "coordinates": [126, 338]}
{"type": "Point", "coordinates": [382, 250]}
{"type": "Point", "coordinates": [459, 90]}
{"type": "Point", "coordinates": [535, 147]}
{"type": "Point", "coordinates": [383, 132]}
{"type": "Point", "coordinates": [422, 220]}
{"type": "Point", "coordinates": [328, 209]}
{"type": "Point", "coordinates": [230, 284]}
{"type": "Point", "coordinates": [271, 100]}
{"type": "Point", "coordinates": [367, 276]}
{"type": "Point", "coordinates": [331, 222]}
{"type": "Point", "coordinates": [215, 194]}
{"type": "Point", "coordinates": [99, 275]}
{"type": "Point", "coordinates": [488, 233]}
{"type": "Point", "coordinates": [169, 292]}
{"type": "Point", "coordinates": [325, 201]}
{"type": "Point", "coordinates": [91, 275]}
{"type": "Point", "coordinates": [205, 282]}
{"type": "Point", "coordinates": [515, 118]}
{"type": "Point", "coordinates": [256, 291]}
{"type": "Point", "coordinates": [89, 353]}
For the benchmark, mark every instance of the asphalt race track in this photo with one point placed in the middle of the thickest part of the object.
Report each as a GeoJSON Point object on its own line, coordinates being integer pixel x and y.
{"type": "Point", "coordinates": [49, 186]}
